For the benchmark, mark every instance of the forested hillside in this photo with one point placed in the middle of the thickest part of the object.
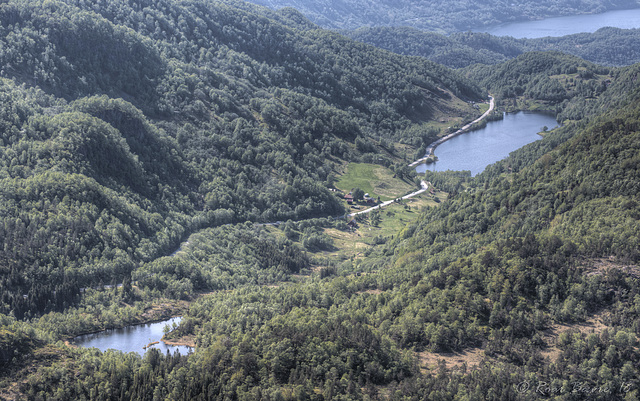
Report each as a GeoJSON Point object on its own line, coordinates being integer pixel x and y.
{"type": "Point", "coordinates": [128, 125]}
{"type": "Point", "coordinates": [566, 85]}
{"type": "Point", "coordinates": [607, 46]}
{"type": "Point", "coordinates": [145, 146]}
{"type": "Point", "coordinates": [439, 16]}
{"type": "Point", "coordinates": [513, 268]}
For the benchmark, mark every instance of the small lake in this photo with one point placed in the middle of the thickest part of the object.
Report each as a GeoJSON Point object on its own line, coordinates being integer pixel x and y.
{"type": "Point", "coordinates": [132, 338]}
{"type": "Point", "coordinates": [561, 26]}
{"type": "Point", "coordinates": [475, 150]}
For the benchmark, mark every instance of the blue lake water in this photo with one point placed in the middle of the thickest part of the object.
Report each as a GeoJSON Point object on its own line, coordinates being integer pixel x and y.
{"type": "Point", "coordinates": [561, 26]}
{"type": "Point", "coordinates": [132, 338]}
{"type": "Point", "coordinates": [475, 150]}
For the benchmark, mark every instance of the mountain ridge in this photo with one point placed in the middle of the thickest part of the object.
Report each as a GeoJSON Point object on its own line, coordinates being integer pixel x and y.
{"type": "Point", "coordinates": [460, 15]}
{"type": "Point", "coordinates": [607, 46]}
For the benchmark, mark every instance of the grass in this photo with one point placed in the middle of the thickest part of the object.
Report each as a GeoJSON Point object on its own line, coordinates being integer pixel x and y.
{"type": "Point", "coordinates": [354, 244]}
{"type": "Point", "coordinates": [483, 107]}
{"type": "Point", "coordinates": [357, 244]}
{"type": "Point", "coordinates": [373, 179]}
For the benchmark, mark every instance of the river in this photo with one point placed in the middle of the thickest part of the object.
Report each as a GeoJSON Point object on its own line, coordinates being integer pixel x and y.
{"type": "Point", "coordinates": [476, 149]}
{"type": "Point", "coordinates": [561, 26]}
{"type": "Point", "coordinates": [132, 338]}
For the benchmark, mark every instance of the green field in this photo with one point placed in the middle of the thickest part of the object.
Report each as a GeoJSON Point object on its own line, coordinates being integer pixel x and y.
{"type": "Point", "coordinates": [483, 107]}
{"type": "Point", "coordinates": [374, 180]}
{"type": "Point", "coordinates": [356, 244]}
{"type": "Point", "coordinates": [393, 219]}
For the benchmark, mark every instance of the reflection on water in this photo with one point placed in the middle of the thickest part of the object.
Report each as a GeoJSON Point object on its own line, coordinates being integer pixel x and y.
{"type": "Point", "coordinates": [475, 150]}
{"type": "Point", "coordinates": [132, 338]}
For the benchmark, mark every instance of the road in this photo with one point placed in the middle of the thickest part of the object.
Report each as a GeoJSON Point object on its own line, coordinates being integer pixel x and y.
{"type": "Point", "coordinates": [431, 148]}
{"type": "Point", "coordinates": [424, 186]}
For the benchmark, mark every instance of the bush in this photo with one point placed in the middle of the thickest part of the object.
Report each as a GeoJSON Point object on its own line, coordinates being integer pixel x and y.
{"type": "Point", "coordinates": [314, 240]}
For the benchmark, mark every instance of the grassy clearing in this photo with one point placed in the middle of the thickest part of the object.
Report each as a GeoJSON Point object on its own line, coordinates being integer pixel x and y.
{"type": "Point", "coordinates": [374, 180]}
{"type": "Point", "coordinates": [483, 107]}
{"type": "Point", "coordinates": [453, 360]}
{"type": "Point", "coordinates": [593, 325]}
{"type": "Point", "coordinates": [354, 244]}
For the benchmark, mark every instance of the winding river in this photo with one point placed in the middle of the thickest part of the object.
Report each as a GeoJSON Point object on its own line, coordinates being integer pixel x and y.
{"type": "Point", "coordinates": [475, 150]}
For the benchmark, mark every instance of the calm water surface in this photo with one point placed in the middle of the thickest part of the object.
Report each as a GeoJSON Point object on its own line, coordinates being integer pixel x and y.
{"type": "Point", "coordinates": [132, 338]}
{"type": "Point", "coordinates": [475, 150]}
{"type": "Point", "coordinates": [561, 26]}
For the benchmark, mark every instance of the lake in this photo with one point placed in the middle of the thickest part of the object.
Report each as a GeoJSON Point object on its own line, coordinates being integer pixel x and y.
{"type": "Point", "coordinates": [476, 149]}
{"type": "Point", "coordinates": [132, 338]}
{"type": "Point", "coordinates": [561, 26]}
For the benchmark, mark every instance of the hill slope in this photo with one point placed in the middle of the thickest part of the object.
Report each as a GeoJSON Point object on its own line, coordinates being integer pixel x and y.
{"type": "Point", "coordinates": [606, 46]}
{"type": "Point", "coordinates": [514, 269]}
{"type": "Point", "coordinates": [444, 17]}
{"type": "Point", "coordinates": [572, 88]}
{"type": "Point", "coordinates": [128, 125]}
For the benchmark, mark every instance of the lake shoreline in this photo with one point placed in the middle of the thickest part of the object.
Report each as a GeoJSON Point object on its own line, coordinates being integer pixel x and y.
{"type": "Point", "coordinates": [138, 338]}
{"type": "Point", "coordinates": [494, 142]}
{"type": "Point", "coordinates": [564, 25]}
{"type": "Point", "coordinates": [132, 324]}
{"type": "Point", "coordinates": [186, 341]}
{"type": "Point", "coordinates": [480, 28]}
{"type": "Point", "coordinates": [466, 128]}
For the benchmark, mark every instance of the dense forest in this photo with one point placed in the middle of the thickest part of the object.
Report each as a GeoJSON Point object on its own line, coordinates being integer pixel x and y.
{"type": "Point", "coordinates": [443, 17]}
{"type": "Point", "coordinates": [570, 87]}
{"type": "Point", "coordinates": [531, 245]}
{"type": "Point", "coordinates": [607, 46]}
{"type": "Point", "coordinates": [164, 158]}
{"type": "Point", "coordinates": [128, 125]}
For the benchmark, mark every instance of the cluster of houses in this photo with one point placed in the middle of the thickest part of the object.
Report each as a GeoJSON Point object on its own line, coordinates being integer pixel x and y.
{"type": "Point", "coordinates": [367, 199]}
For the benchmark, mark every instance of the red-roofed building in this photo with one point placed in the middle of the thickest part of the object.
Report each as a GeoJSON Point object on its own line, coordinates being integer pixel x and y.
{"type": "Point", "coordinates": [349, 198]}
